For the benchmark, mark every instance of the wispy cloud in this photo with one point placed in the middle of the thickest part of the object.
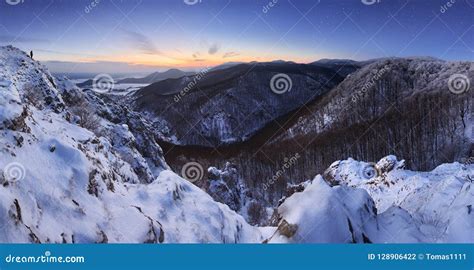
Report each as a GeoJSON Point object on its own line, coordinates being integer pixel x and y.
{"type": "Point", "coordinates": [141, 42]}
{"type": "Point", "coordinates": [230, 54]}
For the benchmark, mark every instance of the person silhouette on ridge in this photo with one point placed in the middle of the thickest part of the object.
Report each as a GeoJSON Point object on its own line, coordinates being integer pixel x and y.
{"type": "Point", "coordinates": [31, 54]}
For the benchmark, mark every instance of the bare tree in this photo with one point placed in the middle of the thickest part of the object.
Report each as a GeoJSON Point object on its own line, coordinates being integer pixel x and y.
{"type": "Point", "coordinates": [87, 116]}
{"type": "Point", "coordinates": [256, 213]}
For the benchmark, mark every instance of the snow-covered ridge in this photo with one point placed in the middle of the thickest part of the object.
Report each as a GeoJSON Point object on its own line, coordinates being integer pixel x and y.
{"type": "Point", "coordinates": [389, 99]}
{"type": "Point", "coordinates": [68, 175]}
{"type": "Point", "coordinates": [363, 202]}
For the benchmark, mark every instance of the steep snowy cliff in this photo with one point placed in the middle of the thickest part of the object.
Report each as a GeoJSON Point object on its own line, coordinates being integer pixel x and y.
{"type": "Point", "coordinates": [69, 175]}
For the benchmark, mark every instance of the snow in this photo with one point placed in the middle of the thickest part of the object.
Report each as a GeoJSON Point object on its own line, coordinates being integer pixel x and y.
{"type": "Point", "coordinates": [396, 205]}
{"type": "Point", "coordinates": [10, 102]}
{"type": "Point", "coordinates": [73, 186]}
{"type": "Point", "coordinates": [119, 89]}
{"type": "Point", "coordinates": [60, 182]}
{"type": "Point", "coordinates": [323, 214]}
{"type": "Point", "coordinates": [124, 89]}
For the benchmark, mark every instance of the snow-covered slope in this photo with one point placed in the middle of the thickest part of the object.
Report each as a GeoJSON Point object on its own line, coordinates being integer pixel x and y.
{"type": "Point", "coordinates": [77, 167]}
{"type": "Point", "coordinates": [68, 175]}
{"type": "Point", "coordinates": [363, 202]}
{"type": "Point", "coordinates": [227, 106]}
{"type": "Point", "coordinates": [371, 113]}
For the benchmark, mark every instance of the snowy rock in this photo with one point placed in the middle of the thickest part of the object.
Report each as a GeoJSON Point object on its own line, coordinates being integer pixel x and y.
{"type": "Point", "coordinates": [324, 214]}
{"type": "Point", "coordinates": [403, 206]}
{"type": "Point", "coordinates": [29, 79]}
{"type": "Point", "coordinates": [10, 104]}
{"type": "Point", "coordinates": [227, 187]}
{"type": "Point", "coordinates": [389, 163]}
{"type": "Point", "coordinates": [219, 188]}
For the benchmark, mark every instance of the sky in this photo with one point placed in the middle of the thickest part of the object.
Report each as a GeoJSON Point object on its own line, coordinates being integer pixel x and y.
{"type": "Point", "coordinates": [136, 36]}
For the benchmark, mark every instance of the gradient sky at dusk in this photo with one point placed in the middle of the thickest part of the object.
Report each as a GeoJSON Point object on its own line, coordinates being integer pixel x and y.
{"type": "Point", "coordinates": [148, 35]}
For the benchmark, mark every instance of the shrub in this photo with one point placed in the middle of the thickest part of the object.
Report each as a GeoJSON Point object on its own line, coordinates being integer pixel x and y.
{"type": "Point", "coordinates": [87, 117]}
{"type": "Point", "coordinates": [256, 213]}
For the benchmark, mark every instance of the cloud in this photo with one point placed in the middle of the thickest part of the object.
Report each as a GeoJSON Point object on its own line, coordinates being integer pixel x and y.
{"type": "Point", "coordinates": [213, 49]}
{"type": "Point", "coordinates": [11, 39]}
{"type": "Point", "coordinates": [230, 54]}
{"type": "Point", "coordinates": [142, 42]}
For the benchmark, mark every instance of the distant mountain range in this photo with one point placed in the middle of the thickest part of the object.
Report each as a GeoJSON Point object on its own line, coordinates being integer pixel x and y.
{"type": "Point", "coordinates": [158, 76]}
{"type": "Point", "coordinates": [152, 78]}
{"type": "Point", "coordinates": [343, 66]}
{"type": "Point", "coordinates": [229, 105]}
{"type": "Point", "coordinates": [226, 65]}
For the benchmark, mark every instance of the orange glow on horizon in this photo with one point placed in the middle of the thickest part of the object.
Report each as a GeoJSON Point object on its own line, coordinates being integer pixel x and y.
{"type": "Point", "coordinates": [173, 60]}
